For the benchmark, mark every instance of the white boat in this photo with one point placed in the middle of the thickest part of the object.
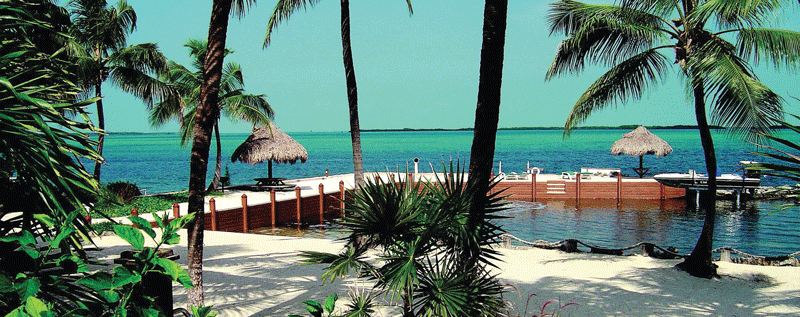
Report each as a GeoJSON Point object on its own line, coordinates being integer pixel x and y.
{"type": "Point", "coordinates": [695, 181]}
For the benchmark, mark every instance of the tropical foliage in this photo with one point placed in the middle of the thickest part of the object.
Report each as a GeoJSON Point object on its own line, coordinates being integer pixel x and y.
{"type": "Point", "coordinates": [433, 252]}
{"type": "Point", "coordinates": [629, 37]}
{"type": "Point", "coordinates": [283, 10]}
{"type": "Point", "coordinates": [100, 33]}
{"type": "Point", "coordinates": [233, 102]}
{"type": "Point", "coordinates": [784, 157]}
{"type": "Point", "coordinates": [44, 190]}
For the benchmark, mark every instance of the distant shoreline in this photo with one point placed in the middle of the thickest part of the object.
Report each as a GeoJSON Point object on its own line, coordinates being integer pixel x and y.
{"type": "Point", "coordinates": [621, 127]}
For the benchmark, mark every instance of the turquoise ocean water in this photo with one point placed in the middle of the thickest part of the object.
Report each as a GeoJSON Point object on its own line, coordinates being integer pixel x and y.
{"type": "Point", "coordinates": [157, 163]}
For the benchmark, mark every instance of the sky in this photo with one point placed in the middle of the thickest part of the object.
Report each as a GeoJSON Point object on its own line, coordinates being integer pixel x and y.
{"type": "Point", "coordinates": [415, 71]}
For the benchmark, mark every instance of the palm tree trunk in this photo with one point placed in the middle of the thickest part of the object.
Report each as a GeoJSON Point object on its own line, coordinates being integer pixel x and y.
{"type": "Point", "coordinates": [699, 262]}
{"type": "Point", "coordinates": [487, 111]}
{"type": "Point", "coordinates": [101, 123]}
{"type": "Point", "coordinates": [352, 94]}
{"type": "Point", "coordinates": [204, 122]}
{"type": "Point", "coordinates": [218, 171]}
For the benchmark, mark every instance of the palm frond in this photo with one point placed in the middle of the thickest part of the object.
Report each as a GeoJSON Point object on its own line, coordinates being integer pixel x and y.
{"type": "Point", "coordinates": [626, 80]}
{"type": "Point", "coordinates": [736, 13]}
{"type": "Point", "coordinates": [740, 101]}
{"type": "Point", "coordinates": [250, 108]}
{"type": "Point", "coordinates": [780, 46]}
{"type": "Point", "coordinates": [283, 10]}
{"type": "Point", "coordinates": [339, 265]}
{"type": "Point", "coordinates": [600, 34]}
{"type": "Point", "coordinates": [148, 89]}
{"type": "Point", "coordinates": [240, 7]}
{"type": "Point", "coordinates": [656, 7]}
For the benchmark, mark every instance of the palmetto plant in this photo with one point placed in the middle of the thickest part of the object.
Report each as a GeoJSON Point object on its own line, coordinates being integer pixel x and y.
{"type": "Point", "coordinates": [631, 37]}
{"type": "Point", "coordinates": [233, 102]}
{"type": "Point", "coordinates": [101, 32]}
{"type": "Point", "coordinates": [433, 251]}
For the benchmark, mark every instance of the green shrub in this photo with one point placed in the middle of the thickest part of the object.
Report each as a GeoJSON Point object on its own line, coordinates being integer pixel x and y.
{"type": "Point", "coordinates": [126, 191]}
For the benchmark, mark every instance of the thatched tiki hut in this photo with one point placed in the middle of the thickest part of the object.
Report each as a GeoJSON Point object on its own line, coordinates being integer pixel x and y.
{"type": "Point", "coordinates": [268, 143]}
{"type": "Point", "coordinates": [638, 143]}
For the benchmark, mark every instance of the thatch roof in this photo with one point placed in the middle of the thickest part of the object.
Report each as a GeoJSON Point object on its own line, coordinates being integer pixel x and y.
{"type": "Point", "coordinates": [268, 143]}
{"type": "Point", "coordinates": [640, 142]}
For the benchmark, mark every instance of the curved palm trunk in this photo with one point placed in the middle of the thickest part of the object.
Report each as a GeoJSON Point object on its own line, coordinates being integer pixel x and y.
{"type": "Point", "coordinates": [487, 111]}
{"type": "Point", "coordinates": [101, 123]}
{"type": "Point", "coordinates": [204, 122]}
{"type": "Point", "coordinates": [218, 171]}
{"type": "Point", "coordinates": [352, 94]}
{"type": "Point", "coordinates": [699, 262]}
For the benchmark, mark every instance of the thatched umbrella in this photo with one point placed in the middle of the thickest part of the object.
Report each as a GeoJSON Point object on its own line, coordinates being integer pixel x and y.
{"type": "Point", "coordinates": [268, 143]}
{"type": "Point", "coordinates": [638, 143]}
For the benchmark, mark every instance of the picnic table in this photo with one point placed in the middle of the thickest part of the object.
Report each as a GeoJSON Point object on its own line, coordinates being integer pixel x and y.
{"type": "Point", "coordinates": [275, 183]}
{"type": "Point", "coordinates": [269, 181]}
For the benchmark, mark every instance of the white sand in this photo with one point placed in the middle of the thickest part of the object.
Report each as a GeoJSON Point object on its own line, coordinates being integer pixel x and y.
{"type": "Point", "coordinates": [259, 275]}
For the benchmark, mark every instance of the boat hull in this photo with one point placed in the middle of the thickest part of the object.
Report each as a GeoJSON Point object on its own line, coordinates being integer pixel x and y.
{"type": "Point", "coordinates": [699, 181]}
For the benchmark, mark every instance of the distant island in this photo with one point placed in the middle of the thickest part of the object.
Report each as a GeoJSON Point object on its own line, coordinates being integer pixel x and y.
{"type": "Point", "coordinates": [621, 127]}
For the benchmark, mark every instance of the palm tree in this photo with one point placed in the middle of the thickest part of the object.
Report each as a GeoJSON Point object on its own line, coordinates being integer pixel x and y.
{"type": "Point", "coordinates": [487, 111]}
{"type": "Point", "coordinates": [283, 10]}
{"type": "Point", "coordinates": [101, 31]}
{"type": "Point", "coordinates": [629, 38]}
{"type": "Point", "coordinates": [205, 117]}
{"type": "Point", "coordinates": [233, 102]}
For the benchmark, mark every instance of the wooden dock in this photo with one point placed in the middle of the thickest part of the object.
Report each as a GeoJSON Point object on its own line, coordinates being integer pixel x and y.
{"type": "Point", "coordinates": [548, 186]}
{"type": "Point", "coordinates": [316, 200]}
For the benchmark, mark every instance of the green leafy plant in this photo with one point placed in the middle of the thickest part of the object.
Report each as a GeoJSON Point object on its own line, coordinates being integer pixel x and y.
{"type": "Point", "coordinates": [433, 252]}
{"type": "Point", "coordinates": [317, 310]}
{"type": "Point", "coordinates": [126, 191]}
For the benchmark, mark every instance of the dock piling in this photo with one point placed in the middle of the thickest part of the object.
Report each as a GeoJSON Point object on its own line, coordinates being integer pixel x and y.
{"type": "Point", "coordinates": [212, 207]}
{"type": "Point", "coordinates": [245, 225]}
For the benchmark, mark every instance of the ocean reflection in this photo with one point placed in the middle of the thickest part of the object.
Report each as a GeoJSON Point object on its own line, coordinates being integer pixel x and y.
{"type": "Point", "coordinates": [752, 228]}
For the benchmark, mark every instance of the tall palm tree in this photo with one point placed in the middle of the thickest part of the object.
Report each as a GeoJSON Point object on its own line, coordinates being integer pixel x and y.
{"type": "Point", "coordinates": [283, 10]}
{"type": "Point", "coordinates": [487, 111]}
{"type": "Point", "coordinates": [205, 114]}
{"type": "Point", "coordinates": [630, 36]}
{"type": "Point", "coordinates": [102, 31]}
{"type": "Point", "coordinates": [233, 102]}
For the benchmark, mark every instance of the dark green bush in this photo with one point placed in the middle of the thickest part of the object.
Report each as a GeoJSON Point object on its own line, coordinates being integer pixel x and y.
{"type": "Point", "coordinates": [126, 191]}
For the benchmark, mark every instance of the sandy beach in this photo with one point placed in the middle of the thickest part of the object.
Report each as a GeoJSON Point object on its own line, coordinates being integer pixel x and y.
{"type": "Point", "coordinates": [259, 275]}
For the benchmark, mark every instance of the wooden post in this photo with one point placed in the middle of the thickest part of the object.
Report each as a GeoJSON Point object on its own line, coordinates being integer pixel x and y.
{"type": "Point", "coordinates": [297, 195]}
{"type": "Point", "coordinates": [533, 186]}
{"type": "Point", "coordinates": [245, 225]}
{"type": "Point", "coordinates": [212, 206]}
{"type": "Point", "coordinates": [341, 197]}
{"type": "Point", "coordinates": [134, 213]}
{"type": "Point", "coordinates": [321, 203]}
{"type": "Point", "coordinates": [619, 186]}
{"type": "Point", "coordinates": [176, 211]}
{"type": "Point", "coordinates": [578, 186]}
{"type": "Point", "coordinates": [272, 207]}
